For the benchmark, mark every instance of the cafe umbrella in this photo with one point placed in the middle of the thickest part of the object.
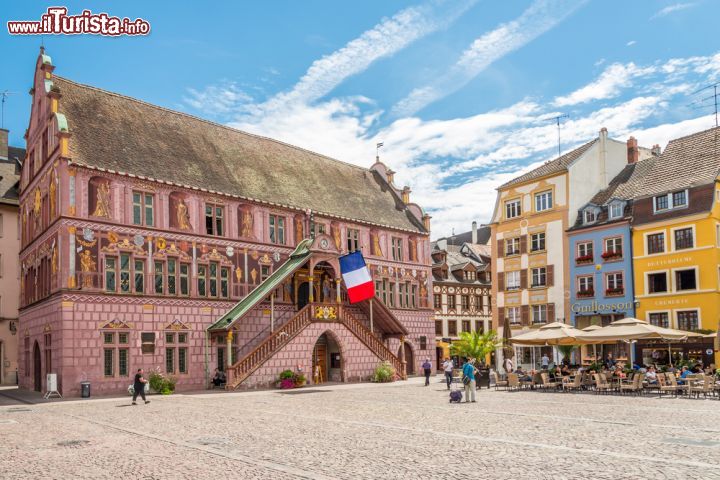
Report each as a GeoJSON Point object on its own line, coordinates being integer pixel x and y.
{"type": "Point", "coordinates": [592, 328]}
{"type": "Point", "coordinates": [554, 334]}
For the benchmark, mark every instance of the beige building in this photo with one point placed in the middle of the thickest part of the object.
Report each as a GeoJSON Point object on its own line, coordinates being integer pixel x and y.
{"type": "Point", "coordinates": [461, 286]}
{"type": "Point", "coordinates": [10, 160]}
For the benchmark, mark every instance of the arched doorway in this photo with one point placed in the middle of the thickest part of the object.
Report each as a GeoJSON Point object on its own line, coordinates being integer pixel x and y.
{"type": "Point", "coordinates": [37, 367]}
{"type": "Point", "coordinates": [409, 358]}
{"type": "Point", "coordinates": [303, 296]}
{"type": "Point", "coordinates": [327, 361]}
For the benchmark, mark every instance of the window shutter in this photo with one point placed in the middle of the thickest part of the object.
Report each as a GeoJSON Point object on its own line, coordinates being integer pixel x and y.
{"type": "Point", "coordinates": [523, 279]}
{"type": "Point", "coordinates": [550, 312]}
{"type": "Point", "coordinates": [523, 244]}
{"type": "Point", "coordinates": [501, 315]}
{"type": "Point", "coordinates": [525, 315]}
{"type": "Point", "coordinates": [550, 275]}
{"type": "Point", "coordinates": [501, 281]}
{"type": "Point", "coordinates": [500, 248]}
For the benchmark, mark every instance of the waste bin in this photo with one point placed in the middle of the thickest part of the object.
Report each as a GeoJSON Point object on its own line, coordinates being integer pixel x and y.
{"type": "Point", "coordinates": [482, 378]}
{"type": "Point", "coordinates": [85, 389]}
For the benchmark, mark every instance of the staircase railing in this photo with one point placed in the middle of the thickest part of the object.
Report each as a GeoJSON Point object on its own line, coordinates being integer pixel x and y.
{"type": "Point", "coordinates": [373, 343]}
{"type": "Point", "coordinates": [242, 369]}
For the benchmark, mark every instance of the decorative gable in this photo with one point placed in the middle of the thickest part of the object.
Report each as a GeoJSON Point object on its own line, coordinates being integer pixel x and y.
{"type": "Point", "coordinates": [115, 324]}
{"type": "Point", "coordinates": [176, 325]}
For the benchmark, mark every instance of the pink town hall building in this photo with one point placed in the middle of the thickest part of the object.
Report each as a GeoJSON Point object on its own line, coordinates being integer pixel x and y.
{"type": "Point", "coordinates": [151, 238]}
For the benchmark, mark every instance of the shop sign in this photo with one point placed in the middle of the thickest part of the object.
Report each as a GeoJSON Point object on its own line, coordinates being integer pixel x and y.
{"type": "Point", "coordinates": [599, 307]}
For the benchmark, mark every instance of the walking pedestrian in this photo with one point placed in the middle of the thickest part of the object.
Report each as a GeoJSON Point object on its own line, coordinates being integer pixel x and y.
{"type": "Point", "coordinates": [427, 368]}
{"type": "Point", "coordinates": [448, 369]}
{"type": "Point", "coordinates": [509, 365]}
{"type": "Point", "coordinates": [469, 371]}
{"type": "Point", "coordinates": [139, 386]}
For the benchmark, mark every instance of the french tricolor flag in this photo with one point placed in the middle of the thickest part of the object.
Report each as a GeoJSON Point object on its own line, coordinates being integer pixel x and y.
{"type": "Point", "coordinates": [357, 277]}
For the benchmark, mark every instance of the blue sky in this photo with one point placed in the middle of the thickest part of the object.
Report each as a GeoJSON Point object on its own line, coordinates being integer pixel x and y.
{"type": "Point", "coordinates": [457, 90]}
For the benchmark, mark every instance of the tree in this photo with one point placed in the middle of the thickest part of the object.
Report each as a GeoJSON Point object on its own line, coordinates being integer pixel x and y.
{"type": "Point", "coordinates": [476, 345]}
{"type": "Point", "coordinates": [566, 351]}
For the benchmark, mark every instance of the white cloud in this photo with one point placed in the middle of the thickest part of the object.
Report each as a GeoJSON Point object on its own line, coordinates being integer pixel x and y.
{"type": "Point", "coordinates": [630, 43]}
{"type": "Point", "coordinates": [608, 84]}
{"type": "Point", "coordinates": [384, 39]}
{"type": "Point", "coordinates": [540, 17]}
{"type": "Point", "coordinates": [676, 7]}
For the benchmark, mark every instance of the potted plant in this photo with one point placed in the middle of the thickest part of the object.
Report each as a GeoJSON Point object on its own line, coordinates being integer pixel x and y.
{"type": "Point", "coordinates": [611, 254]}
{"type": "Point", "coordinates": [586, 293]}
{"type": "Point", "coordinates": [384, 372]}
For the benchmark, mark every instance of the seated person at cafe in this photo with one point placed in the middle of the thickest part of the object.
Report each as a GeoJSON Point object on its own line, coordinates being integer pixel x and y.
{"type": "Point", "coordinates": [651, 376]}
{"type": "Point", "coordinates": [684, 372]}
{"type": "Point", "coordinates": [565, 370]}
{"type": "Point", "coordinates": [218, 378]}
{"type": "Point", "coordinates": [522, 375]}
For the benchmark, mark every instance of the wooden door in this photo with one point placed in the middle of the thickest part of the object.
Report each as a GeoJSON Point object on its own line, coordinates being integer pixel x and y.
{"type": "Point", "coordinates": [37, 368]}
{"type": "Point", "coordinates": [320, 362]}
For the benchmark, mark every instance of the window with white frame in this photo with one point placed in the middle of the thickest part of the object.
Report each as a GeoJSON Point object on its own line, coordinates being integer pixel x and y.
{"type": "Point", "coordinates": [512, 208]}
{"type": "Point", "coordinates": [589, 216]}
{"type": "Point", "coordinates": [614, 283]}
{"type": "Point", "coordinates": [657, 282]}
{"type": "Point", "coordinates": [143, 208]}
{"type": "Point", "coordinates": [585, 251]}
{"type": "Point", "coordinates": [586, 285]}
{"type": "Point", "coordinates": [539, 277]}
{"type": "Point", "coordinates": [656, 243]}
{"type": "Point", "coordinates": [512, 246]}
{"type": "Point", "coordinates": [684, 238]}
{"type": "Point", "coordinates": [615, 210]}
{"type": "Point", "coordinates": [512, 280]}
{"type": "Point", "coordinates": [537, 242]}
{"type": "Point", "coordinates": [513, 315]}
{"type": "Point", "coordinates": [613, 246]}
{"type": "Point", "coordinates": [669, 201]}
{"type": "Point", "coordinates": [539, 313]}
{"type": "Point", "coordinates": [543, 201]}
{"type": "Point", "coordinates": [659, 319]}
{"type": "Point", "coordinates": [686, 279]}
{"type": "Point", "coordinates": [688, 320]}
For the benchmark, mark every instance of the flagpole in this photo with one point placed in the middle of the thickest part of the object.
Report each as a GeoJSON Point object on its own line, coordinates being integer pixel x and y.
{"type": "Point", "coordinates": [371, 317]}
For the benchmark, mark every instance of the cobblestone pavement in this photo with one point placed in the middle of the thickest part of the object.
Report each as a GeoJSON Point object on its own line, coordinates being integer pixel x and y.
{"type": "Point", "coordinates": [393, 431]}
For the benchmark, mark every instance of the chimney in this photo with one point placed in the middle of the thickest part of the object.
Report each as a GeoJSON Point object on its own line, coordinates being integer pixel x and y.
{"type": "Point", "coordinates": [474, 232]}
{"type": "Point", "coordinates": [406, 195]}
{"type": "Point", "coordinates": [390, 175]}
{"type": "Point", "coordinates": [632, 150]}
{"type": "Point", "coordinates": [655, 150]}
{"type": "Point", "coordinates": [602, 152]}
{"type": "Point", "coordinates": [4, 143]}
{"type": "Point", "coordinates": [426, 221]}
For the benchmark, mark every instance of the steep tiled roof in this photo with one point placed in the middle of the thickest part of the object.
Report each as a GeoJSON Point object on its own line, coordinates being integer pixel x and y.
{"type": "Point", "coordinates": [557, 165]}
{"type": "Point", "coordinates": [687, 161]}
{"type": "Point", "coordinates": [466, 237]}
{"type": "Point", "coordinates": [457, 260]}
{"type": "Point", "coordinates": [119, 133]}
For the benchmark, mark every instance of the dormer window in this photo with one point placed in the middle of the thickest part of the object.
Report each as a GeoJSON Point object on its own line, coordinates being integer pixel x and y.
{"type": "Point", "coordinates": [589, 216]}
{"type": "Point", "coordinates": [670, 201]}
{"type": "Point", "coordinates": [615, 210]}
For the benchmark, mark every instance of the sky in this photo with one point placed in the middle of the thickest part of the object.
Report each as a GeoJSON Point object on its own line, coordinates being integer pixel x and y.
{"type": "Point", "coordinates": [460, 92]}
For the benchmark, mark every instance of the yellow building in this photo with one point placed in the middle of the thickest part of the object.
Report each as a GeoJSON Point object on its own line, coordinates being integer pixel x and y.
{"type": "Point", "coordinates": [676, 242]}
{"type": "Point", "coordinates": [530, 269]}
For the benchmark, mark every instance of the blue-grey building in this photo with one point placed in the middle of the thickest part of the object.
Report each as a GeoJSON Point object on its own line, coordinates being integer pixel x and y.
{"type": "Point", "coordinates": [601, 277]}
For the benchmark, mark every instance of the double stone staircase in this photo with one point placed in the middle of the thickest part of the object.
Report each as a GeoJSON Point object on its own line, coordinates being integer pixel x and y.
{"type": "Point", "coordinates": [311, 313]}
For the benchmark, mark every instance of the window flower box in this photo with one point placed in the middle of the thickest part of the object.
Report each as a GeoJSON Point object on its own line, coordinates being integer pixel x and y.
{"type": "Point", "coordinates": [610, 292]}
{"type": "Point", "coordinates": [585, 293]}
{"type": "Point", "coordinates": [584, 259]}
{"type": "Point", "coordinates": [612, 255]}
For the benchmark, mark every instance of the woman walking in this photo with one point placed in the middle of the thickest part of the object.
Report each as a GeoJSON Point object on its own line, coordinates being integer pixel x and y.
{"type": "Point", "coordinates": [469, 372]}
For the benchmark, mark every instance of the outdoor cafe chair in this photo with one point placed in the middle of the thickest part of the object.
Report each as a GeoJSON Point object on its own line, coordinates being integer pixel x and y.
{"type": "Point", "coordinates": [634, 386]}
{"type": "Point", "coordinates": [678, 387]}
{"type": "Point", "coordinates": [575, 384]}
{"type": "Point", "coordinates": [546, 383]}
{"type": "Point", "coordinates": [601, 384]}
{"type": "Point", "coordinates": [701, 386]}
{"type": "Point", "coordinates": [500, 383]}
{"type": "Point", "coordinates": [513, 381]}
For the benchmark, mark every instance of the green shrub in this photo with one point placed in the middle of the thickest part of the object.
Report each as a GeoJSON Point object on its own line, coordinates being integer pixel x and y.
{"type": "Point", "coordinates": [161, 383]}
{"type": "Point", "coordinates": [384, 372]}
{"type": "Point", "coordinates": [286, 374]}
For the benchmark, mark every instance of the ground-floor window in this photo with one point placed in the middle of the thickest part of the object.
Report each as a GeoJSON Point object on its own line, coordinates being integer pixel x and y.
{"type": "Point", "coordinates": [659, 319]}
{"type": "Point", "coordinates": [438, 327]}
{"type": "Point", "coordinates": [116, 353]}
{"type": "Point", "coordinates": [466, 326]}
{"type": "Point", "coordinates": [176, 352]}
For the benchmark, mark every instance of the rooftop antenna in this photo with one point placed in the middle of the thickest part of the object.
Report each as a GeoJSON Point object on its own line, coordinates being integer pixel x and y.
{"type": "Point", "coordinates": [557, 119]}
{"type": "Point", "coordinates": [4, 95]}
{"type": "Point", "coordinates": [700, 103]}
{"type": "Point", "coordinates": [377, 150]}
